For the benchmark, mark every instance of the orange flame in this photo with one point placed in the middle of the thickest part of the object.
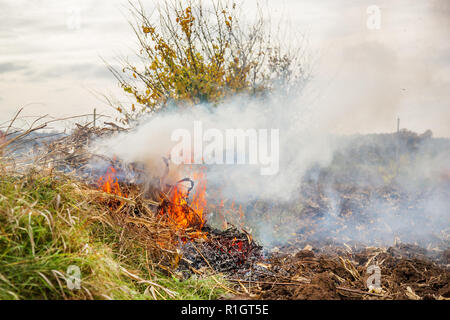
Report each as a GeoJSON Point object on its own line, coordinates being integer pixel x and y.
{"type": "Point", "coordinates": [182, 214]}
{"type": "Point", "coordinates": [109, 182]}
{"type": "Point", "coordinates": [199, 197]}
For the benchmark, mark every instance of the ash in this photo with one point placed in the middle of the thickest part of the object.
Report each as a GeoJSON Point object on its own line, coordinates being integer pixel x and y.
{"type": "Point", "coordinates": [231, 252]}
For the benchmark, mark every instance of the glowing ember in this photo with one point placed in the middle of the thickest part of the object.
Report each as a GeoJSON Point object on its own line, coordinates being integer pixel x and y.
{"type": "Point", "coordinates": [109, 182]}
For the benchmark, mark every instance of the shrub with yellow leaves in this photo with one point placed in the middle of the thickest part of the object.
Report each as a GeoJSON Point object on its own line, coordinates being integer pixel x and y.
{"type": "Point", "coordinates": [192, 54]}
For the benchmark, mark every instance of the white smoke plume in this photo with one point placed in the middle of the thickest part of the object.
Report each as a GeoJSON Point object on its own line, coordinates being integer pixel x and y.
{"type": "Point", "coordinates": [303, 141]}
{"type": "Point", "coordinates": [310, 152]}
{"type": "Point", "coordinates": [364, 80]}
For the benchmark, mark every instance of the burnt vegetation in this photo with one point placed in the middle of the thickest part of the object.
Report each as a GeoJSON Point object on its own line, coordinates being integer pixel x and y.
{"type": "Point", "coordinates": [307, 258]}
{"type": "Point", "coordinates": [135, 236]}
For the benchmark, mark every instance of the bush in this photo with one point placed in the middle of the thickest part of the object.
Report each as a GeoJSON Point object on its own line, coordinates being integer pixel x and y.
{"type": "Point", "coordinates": [194, 54]}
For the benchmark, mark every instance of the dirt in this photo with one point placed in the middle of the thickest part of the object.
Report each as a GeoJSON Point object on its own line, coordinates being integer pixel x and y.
{"type": "Point", "coordinates": [322, 270]}
{"type": "Point", "coordinates": [315, 276]}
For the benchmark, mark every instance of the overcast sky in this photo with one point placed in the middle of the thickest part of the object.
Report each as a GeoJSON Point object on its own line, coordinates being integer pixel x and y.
{"type": "Point", "coordinates": [50, 60]}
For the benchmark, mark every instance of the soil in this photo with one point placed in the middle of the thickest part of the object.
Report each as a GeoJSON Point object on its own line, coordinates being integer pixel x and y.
{"type": "Point", "coordinates": [317, 276]}
{"type": "Point", "coordinates": [321, 270]}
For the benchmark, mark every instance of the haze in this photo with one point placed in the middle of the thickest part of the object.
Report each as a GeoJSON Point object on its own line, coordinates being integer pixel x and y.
{"type": "Point", "coordinates": [366, 78]}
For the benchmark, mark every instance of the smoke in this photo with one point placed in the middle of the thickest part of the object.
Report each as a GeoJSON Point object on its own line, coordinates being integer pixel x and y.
{"type": "Point", "coordinates": [368, 78]}
{"type": "Point", "coordinates": [371, 189]}
{"type": "Point", "coordinates": [383, 188]}
{"type": "Point", "coordinates": [303, 141]}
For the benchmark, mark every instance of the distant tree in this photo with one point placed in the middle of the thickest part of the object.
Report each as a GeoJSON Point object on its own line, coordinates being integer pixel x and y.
{"type": "Point", "coordinates": [191, 53]}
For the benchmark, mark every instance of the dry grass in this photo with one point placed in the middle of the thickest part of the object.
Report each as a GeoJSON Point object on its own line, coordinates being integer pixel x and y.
{"type": "Point", "coordinates": [50, 221]}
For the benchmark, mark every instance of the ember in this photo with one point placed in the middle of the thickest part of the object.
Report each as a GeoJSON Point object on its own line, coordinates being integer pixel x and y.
{"type": "Point", "coordinates": [229, 251]}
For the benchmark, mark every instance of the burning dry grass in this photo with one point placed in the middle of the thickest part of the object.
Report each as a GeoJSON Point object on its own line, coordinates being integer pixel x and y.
{"type": "Point", "coordinates": [135, 242]}
{"type": "Point", "coordinates": [125, 243]}
{"type": "Point", "coordinates": [50, 221]}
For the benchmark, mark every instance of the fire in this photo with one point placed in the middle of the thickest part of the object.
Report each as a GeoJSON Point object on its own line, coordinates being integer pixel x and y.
{"type": "Point", "coordinates": [109, 182]}
{"type": "Point", "coordinates": [237, 245]}
{"type": "Point", "coordinates": [182, 214]}
{"type": "Point", "coordinates": [199, 197]}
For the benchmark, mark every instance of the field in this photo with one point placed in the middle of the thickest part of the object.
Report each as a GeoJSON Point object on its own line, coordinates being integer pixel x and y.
{"type": "Point", "coordinates": [124, 243]}
{"type": "Point", "coordinates": [224, 150]}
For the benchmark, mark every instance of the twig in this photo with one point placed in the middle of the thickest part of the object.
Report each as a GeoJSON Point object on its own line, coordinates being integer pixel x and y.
{"type": "Point", "coordinates": [270, 283]}
{"type": "Point", "coordinates": [12, 121]}
{"type": "Point", "coordinates": [362, 292]}
{"type": "Point", "coordinates": [111, 196]}
{"type": "Point", "coordinates": [214, 278]}
{"type": "Point", "coordinates": [8, 142]}
{"type": "Point", "coordinates": [115, 126]}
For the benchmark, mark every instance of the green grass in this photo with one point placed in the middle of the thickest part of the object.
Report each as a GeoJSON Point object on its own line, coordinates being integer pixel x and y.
{"type": "Point", "coordinates": [46, 226]}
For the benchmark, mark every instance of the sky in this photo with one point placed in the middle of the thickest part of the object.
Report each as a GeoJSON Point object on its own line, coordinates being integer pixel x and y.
{"type": "Point", "coordinates": [374, 60]}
